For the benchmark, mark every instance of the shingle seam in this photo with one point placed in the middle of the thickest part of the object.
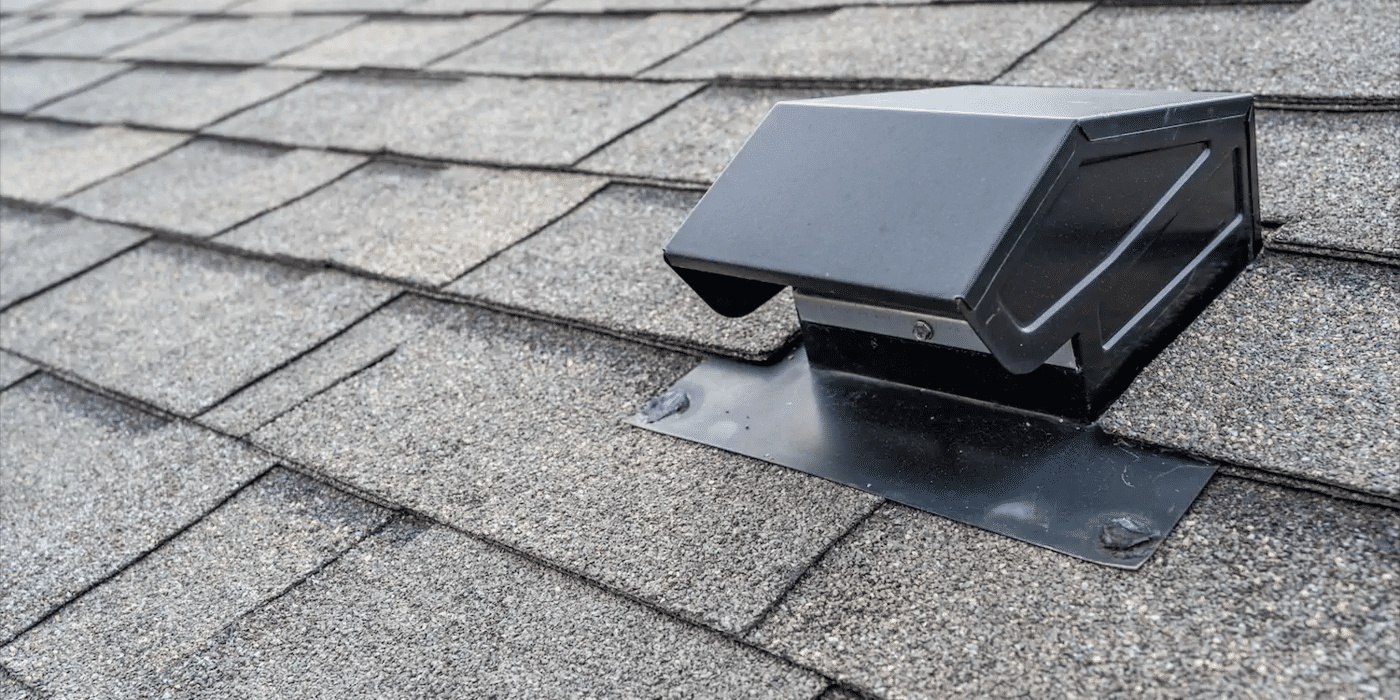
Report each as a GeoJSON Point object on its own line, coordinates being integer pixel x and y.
{"type": "Point", "coordinates": [21, 378]}
{"type": "Point", "coordinates": [655, 115]}
{"type": "Point", "coordinates": [712, 34]}
{"type": "Point", "coordinates": [1043, 42]}
{"type": "Point", "coordinates": [66, 278]}
{"type": "Point", "coordinates": [392, 518]}
{"type": "Point", "coordinates": [136, 164]}
{"type": "Point", "coordinates": [14, 678]}
{"type": "Point", "coordinates": [313, 348]}
{"type": "Point", "coordinates": [139, 557]}
{"type": "Point", "coordinates": [1343, 493]}
{"type": "Point", "coordinates": [475, 42]}
{"type": "Point", "coordinates": [1333, 253]}
{"type": "Point", "coordinates": [812, 565]}
{"type": "Point", "coordinates": [333, 384]}
{"type": "Point", "coordinates": [75, 91]}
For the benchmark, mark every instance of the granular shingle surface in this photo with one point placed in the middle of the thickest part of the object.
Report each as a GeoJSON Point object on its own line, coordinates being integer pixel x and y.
{"type": "Point", "coordinates": [513, 429]}
{"type": "Point", "coordinates": [601, 265]}
{"type": "Point", "coordinates": [251, 548]}
{"type": "Point", "coordinates": [40, 249]}
{"type": "Point", "coordinates": [45, 161]}
{"type": "Point", "coordinates": [1338, 192]}
{"type": "Point", "coordinates": [266, 262]}
{"type": "Point", "coordinates": [576, 45]}
{"type": "Point", "coordinates": [488, 625]}
{"type": "Point", "coordinates": [183, 327]}
{"type": "Point", "coordinates": [237, 40]}
{"type": "Point", "coordinates": [90, 485]}
{"type": "Point", "coordinates": [25, 85]}
{"type": "Point", "coordinates": [964, 42]}
{"type": "Point", "coordinates": [396, 43]}
{"type": "Point", "coordinates": [695, 140]}
{"type": "Point", "coordinates": [174, 98]}
{"type": "Point", "coordinates": [1293, 370]}
{"type": "Point", "coordinates": [94, 37]}
{"type": "Point", "coordinates": [426, 225]}
{"type": "Point", "coordinates": [207, 186]}
{"type": "Point", "coordinates": [1260, 591]}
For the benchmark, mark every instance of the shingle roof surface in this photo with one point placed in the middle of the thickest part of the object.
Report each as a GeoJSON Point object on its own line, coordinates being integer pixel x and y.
{"type": "Point", "coordinates": [320, 322]}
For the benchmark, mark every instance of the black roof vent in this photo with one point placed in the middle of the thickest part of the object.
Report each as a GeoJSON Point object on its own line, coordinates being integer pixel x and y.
{"type": "Point", "coordinates": [965, 262]}
{"type": "Point", "coordinates": [1047, 242]}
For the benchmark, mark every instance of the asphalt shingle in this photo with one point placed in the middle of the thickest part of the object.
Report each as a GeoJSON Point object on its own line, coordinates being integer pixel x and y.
{"type": "Point", "coordinates": [187, 6]}
{"type": "Point", "coordinates": [17, 29]}
{"type": "Point", "coordinates": [596, 46]}
{"type": "Point", "coordinates": [697, 139]}
{"type": "Point", "coordinates": [962, 43]}
{"type": "Point", "coordinates": [46, 161]}
{"type": "Point", "coordinates": [22, 5]}
{"type": "Point", "coordinates": [397, 43]}
{"type": "Point", "coordinates": [96, 37]}
{"type": "Point", "coordinates": [91, 7]}
{"type": "Point", "coordinates": [425, 225]}
{"type": "Point", "coordinates": [1270, 50]}
{"type": "Point", "coordinates": [790, 5]}
{"type": "Point", "coordinates": [458, 7]}
{"type": "Point", "coordinates": [25, 85]}
{"type": "Point", "coordinates": [499, 120]}
{"type": "Point", "coordinates": [182, 327]}
{"type": "Point", "coordinates": [601, 266]}
{"type": "Point", "coordinates": [358, 347]}
{"type": "Point", "coordinates": [1334, 179]}
{"type": "Point", "coordinates": [89, 485]}
{"type": "Point", "coordinates": [41, 248]}
{"type": "Point", "coordinates": [262, 541]}
{"type": "Point", "coordinates": [207, 186]}
{"type": "Point", "coordinates": [389, 614]}
{"type": "Point", "coordinates": [513, 429]}
{"type": "Point", "coordinates": [1292, 370]}
{"type": "Point", "coordinates": [642, 5]}
{"type": "Point", "coordinates": [241, 41]}
{"type": "Point", "coordinates": [13, 369]}
{"type": "Point", "coordinates": [174, 98]}
{"type": "Point", "coordinates": [1259, 592]}
{"type": "Point", "coordinates": [282, 7]}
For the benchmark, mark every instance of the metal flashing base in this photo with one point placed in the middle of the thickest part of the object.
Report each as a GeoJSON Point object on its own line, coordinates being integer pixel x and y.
{"type": "Point", "coordinates": [1054, 483]}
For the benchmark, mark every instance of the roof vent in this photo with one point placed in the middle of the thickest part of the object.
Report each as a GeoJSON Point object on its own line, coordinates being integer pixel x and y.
{"type": "Point", "coordinates": [1013, 249]}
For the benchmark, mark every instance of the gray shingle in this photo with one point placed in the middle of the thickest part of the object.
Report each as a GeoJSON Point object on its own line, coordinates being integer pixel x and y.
{"type": "Point", "coordinates": [1334, 178]}
{"type": "Point", "coordinates": [457, 7]}
{"type": "Point", "coordinates": [17, 29]}
{"type": "Point", "coordinates": [1266, 49]}
{"type": "Point", "coordinates": [183, 327]}
{"type": "Point", "coordinates": [22, 5]}
{"type": "Point", "coordinates": [349, 112]}
{"type": "Point", "coordinates": [89, 485]}
{"type": "Point", "coordinates": [208, 186]}
{"type": "Point", "coordinates": [25, 85]}
{"type": "Point", "coordinates": [188, 6]}
{"type": "Point", "coordinates": [12, 689]}
{"type": "Point", "coordinates": [790, 5]}
{"type": "Point", "coordinates": [1346, 48]}
{"type": "Point", "coordinates": [513, 429]}
{"type": "Point", "coordinates": [618, 46]}
{"type": "Point", "coordinates": [941, 43]}
{"type": "Point", "coordinates": [41, 248]}
{"type": "Point", "coordinates": [697, 139]}
{"type": "Point", "coordinates": [97, 37]}
{"type": "Point", "coordinates": [397, 43]}
{"type": "Point", "coordinates": [46, 161]}
{"type": "Point", "coordinates": [352, 351]}
{"type": "Point", "coordinates": [1174, 48]}
{"type": "Point", "coordinates": [91, 7]}
{"type": "Point", "coordinates": [505, 120]}
{"type": "Point", "coordinates": [602, 266]}
{"type": "Point", "coordinates": [281, 7]}
{"type": "Point", "coordinates": [267, 537]}
{"type": "Point", "coordinates": [425, 225]}
{"type": "Point", "coordinates": [1292, 370]}
{"type": "Point", "coordinates": [390, 615]}
{"type": "Point", "coordinates": [643, 5]}
{"type": "Point", "coordinates": [1259, 592]}
{"type": "Point", "coordinates": [246, 41]}
{"type": "Point", "coordinates": [175, 98]}
{"type": "Point", "coordinates": [13, 369]}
